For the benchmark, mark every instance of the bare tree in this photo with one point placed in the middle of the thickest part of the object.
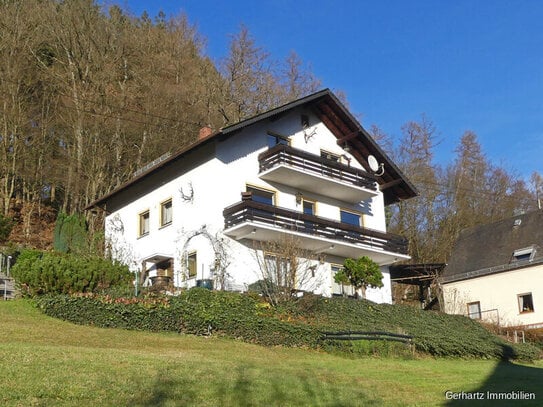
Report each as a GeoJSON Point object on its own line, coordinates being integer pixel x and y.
{"type": "Point", "coordinates": [284, 268]}
{"type": "Point", "coordinates": [416, 218]}
{"type": "Point", "coordinates": [297, 80]}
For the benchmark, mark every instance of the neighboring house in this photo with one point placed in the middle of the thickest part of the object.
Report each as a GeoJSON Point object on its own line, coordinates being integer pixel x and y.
{"type": "Point", "coordinates": [301, 171]}
{"type": "Point", "coordinates": [496, 272]}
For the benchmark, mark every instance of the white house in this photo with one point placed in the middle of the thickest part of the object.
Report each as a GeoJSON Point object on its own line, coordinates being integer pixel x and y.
{"type": "Point", "coordinates": [496, 272]}
{"type": "Point", "coordinates": [306, 172]}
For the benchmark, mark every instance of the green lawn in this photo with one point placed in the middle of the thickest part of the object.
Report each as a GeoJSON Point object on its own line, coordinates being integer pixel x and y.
{"type": "Point", "coordinates": [48, 362]}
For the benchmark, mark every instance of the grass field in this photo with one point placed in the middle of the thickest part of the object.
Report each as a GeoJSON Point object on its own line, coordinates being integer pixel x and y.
{"type": "Point", "coordinates": [48, 362]}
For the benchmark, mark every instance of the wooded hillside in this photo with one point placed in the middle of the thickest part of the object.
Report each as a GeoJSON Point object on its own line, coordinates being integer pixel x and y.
{"type": "Point", "coordinates": [88, 96]}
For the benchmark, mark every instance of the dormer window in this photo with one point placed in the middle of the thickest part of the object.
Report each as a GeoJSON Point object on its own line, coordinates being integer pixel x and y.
{"type": "Point", "coordinates": [526, 254]}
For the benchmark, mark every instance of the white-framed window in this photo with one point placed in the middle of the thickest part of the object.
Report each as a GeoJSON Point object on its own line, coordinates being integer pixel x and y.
{"type": "Point", "coordinates": [526, 254]}
{"type": "Point", "coordinates": [143, 223]}
{"type": "Point", "coordinates": [525, 303]}
{"type": "Point", "coordinates": [474, 310]}
{"type": "Point", "coordinates": [166, 214]}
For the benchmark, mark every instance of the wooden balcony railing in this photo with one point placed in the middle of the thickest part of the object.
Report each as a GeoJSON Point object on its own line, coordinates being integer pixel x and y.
{"type": "Point", "coordinates": [289, 220]}
{"type": "Point", "coordinates": [314, 164]}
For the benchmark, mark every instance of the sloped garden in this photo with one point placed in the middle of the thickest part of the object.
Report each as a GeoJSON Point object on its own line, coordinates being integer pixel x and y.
{"type": "Point", "coordinates": [299, 323]}
{"type": "Point", "coordinates": [92, 291]}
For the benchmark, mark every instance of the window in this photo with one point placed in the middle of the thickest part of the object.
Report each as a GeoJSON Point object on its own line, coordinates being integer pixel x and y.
{"type": "Point", "coordinates": [526, 254]}
{"type": "Point", "coordinates": [261, 195]}
{"type": "Point", "coordinates": [350, 218]}
{"type": "Point", "coordinates": [330, 156]}
{"type": "Point", "coordinates": [340, 289]}
{"type": "Point", "coordinates": [144, 223]}
{"type": "Point", "coordinates": [305, 121]}
{"type": "Point", "coordinates": [309, 207]}
{"type": "Point", "coordinates": [277, 269]}
{"type": "Point", "coordinates": [274, 139]}
{"type": "Point", "coordinates": [192, 266]}
{"type": "Point", "coordinates": [166, 213]}
{"type": "Point", "coordinates": [474, 310]}
{"type": "Point", "coordinates": [525, 303]}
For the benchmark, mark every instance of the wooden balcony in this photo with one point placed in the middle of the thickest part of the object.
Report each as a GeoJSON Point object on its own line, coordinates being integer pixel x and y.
{"type": "Point", "coordinates": [309, 172]}
{"type": "Point", "coordinates": [256, 221]}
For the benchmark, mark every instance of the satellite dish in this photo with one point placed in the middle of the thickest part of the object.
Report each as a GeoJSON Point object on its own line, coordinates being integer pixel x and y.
{"type": "Point", "coordinates": [375, 166]}
{"type": "Point", "coordinates": [372, 162]}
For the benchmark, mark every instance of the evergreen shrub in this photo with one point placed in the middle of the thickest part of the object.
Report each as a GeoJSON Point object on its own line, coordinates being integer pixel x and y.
{"type": "Point", "coordinates": [38, 273]}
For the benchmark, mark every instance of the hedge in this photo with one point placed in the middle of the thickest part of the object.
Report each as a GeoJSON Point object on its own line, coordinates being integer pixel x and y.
{"type": "Point", "coordinates": [246, 317]}
{"type": "Point", "coordinates": [197, 311]}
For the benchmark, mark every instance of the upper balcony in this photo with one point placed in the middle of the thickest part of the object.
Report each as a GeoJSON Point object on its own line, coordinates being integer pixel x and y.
{"type": "Point", "coordinates": [264, 222]}
{"type": "Point", "coordinates": [297, 168]}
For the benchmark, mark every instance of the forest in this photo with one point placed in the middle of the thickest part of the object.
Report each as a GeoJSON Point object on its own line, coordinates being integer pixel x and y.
{"type": "Point", "coordinates": [88, 95]}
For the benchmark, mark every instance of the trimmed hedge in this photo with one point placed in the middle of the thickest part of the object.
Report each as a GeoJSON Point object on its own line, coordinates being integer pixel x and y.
{"type": "Point", "coordinates": [38, 273]}
{"type": "Point", "coordinates": [197, 311]}
{"type": "Point", "coordinates": [246, 317]}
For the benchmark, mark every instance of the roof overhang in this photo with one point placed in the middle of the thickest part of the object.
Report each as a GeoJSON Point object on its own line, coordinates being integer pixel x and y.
{"type": "Point", "coordinates": [348, 131]}
{"type": "Point", "coordinates": [157, 258]}
{"type": "Point", "coordinates": [416, 274]}
{"type": "Point", "coordinates": [394, 185]}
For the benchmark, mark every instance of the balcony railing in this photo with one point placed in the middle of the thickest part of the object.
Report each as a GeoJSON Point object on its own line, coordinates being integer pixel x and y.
{"type": "Point", "coordinates": [285, 220]}
{"type": "Point", "coordinates": [314, 164]}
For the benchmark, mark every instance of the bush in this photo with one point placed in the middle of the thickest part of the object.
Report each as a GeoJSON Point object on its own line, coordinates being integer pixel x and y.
{"type": "Point", "coordinates": [38, 273]}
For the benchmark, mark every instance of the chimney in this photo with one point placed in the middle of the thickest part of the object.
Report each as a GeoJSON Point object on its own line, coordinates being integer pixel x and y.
{"type": "Point", "coordinates": [204, 132]}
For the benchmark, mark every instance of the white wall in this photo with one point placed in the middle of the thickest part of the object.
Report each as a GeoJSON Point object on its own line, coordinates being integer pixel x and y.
{"type": "Point", "coordinates": [499, 291]}
{"type": "Point", "coordinates": [217, 184]}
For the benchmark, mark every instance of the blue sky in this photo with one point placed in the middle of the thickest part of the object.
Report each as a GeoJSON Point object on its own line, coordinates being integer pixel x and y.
{"type": "Point", "coordinates": [465, 64]}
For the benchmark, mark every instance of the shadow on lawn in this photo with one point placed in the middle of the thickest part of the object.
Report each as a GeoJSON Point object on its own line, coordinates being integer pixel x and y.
{"type": "Point", "coordinates": [243, 388]}
{"type": "Point", "coordinates": [508, 385]}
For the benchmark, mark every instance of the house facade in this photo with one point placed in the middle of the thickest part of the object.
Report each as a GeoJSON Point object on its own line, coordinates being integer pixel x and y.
{"type": "Point", "coordinates": [215, 213]}
{"type": "Point", "coordinates": [496, 272]}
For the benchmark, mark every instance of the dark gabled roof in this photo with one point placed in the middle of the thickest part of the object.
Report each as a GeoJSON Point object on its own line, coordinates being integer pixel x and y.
{"type": "Point", "coordinates": [394, 185]}
{"type": "Point", "coordinates": [486, 249]}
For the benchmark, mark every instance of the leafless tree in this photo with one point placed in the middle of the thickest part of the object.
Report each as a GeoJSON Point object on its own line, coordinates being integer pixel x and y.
{"type": "Point", "coordinates": [285, 268]}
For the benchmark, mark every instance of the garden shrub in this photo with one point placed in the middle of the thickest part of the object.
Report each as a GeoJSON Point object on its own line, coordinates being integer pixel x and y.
{"type": "Point", "coordinates": [38, 273]}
